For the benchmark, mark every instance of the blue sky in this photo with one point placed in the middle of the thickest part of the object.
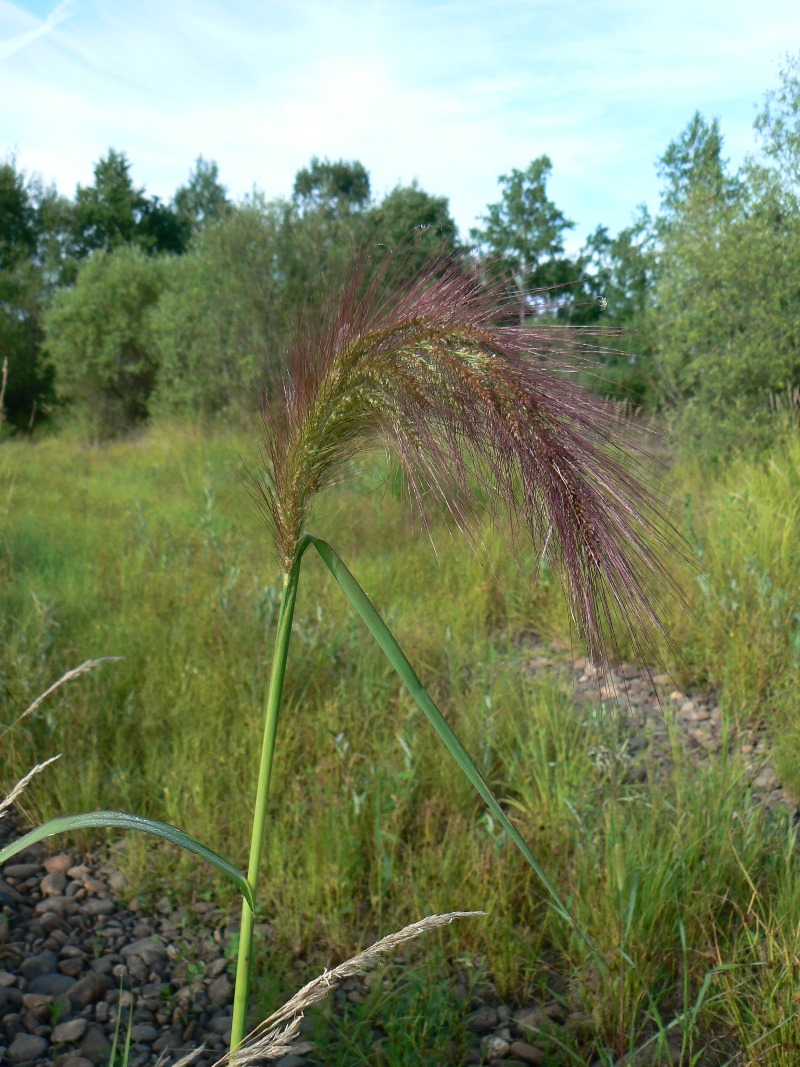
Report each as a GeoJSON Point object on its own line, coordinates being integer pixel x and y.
{"type": "Point", "coordinates": [452, 93]}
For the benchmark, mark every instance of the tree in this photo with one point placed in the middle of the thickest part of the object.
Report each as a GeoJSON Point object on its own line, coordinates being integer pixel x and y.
{"type": "Point", "coordinates": [727, 315]}
{"type": "Point", "coordinates": [778, 124]}
{"type": "Point", "coordinates": [17, 217]}
{"type": "Point", "coordinates": [525, 230]}
{"type": "Point", "coordinates": [203, 199]}
{"type": "Point", "coordinates": [618, 273]}
{"type": "Point", "coordinates": [338, 188]}
{"type": "Point", "coordinates": [409, 214]}
{"type": "Point", "coordinates": [29, 388]}
{"type": "Point", "coordinates": [616, 290]}
{"type": "Point", "coordinates": [99, 337]}
{"type": "Point", "coordinates": [694, 161]}
{"type": "Point", "coordinates": [113, 212]}
{"type": "Point", "coordinates": [224, 318]}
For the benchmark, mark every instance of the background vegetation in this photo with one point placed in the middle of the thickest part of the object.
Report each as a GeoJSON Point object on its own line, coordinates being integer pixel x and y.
{"type": "Point", "coordinates": [115, 306]}
{"type": "Point", "coordinates": [118, 311]}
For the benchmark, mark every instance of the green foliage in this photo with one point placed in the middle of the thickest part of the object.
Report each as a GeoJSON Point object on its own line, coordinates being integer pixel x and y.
{"type": "Point", "coordinates": [745, 636]}
{"type": "Point", "coordinates": [727, 316]}
{"type": "Point", "coordinates": [779, 124]}
{"type": "Point", "coordinates": [338, 187]}
{"type": "Point", "coordinates": [409, 214]}
{"type": "Point", "coordinates": [17, 217]}
{"type": "Point", "coordinates": [144, 549]}
{"type": "Point", "coordinates": [691, 163]}
{"type": "Point", "coordinates": [100, 340]}
{"type": "Point", "coordinates": [22, 292]}
{"type": "Point", "coordinates": [113, 212]}
{"type": "Point", "coordinates": [223, 319]}
{"type": "Point", "coordinates": [525, 230]}
{"type": "Point", "coordinates": [203, 199]}
{"type": "Point", "coordinates": [615, 290]}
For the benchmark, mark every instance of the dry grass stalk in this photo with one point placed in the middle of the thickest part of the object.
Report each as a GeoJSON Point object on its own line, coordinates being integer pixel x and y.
{"type": "Point", "coordinates": [15, 792]}
{"type": "Point", "coordinates": [76, 672]}
{"type": "Point", "coordinates": [277, 1035]}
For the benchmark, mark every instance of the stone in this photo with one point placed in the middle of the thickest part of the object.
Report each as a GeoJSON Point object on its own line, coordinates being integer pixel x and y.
{"type": "Point", "coordinates": [60, 905]}
{"type": "Point", "coordinates": [556, 1012]}
{"type": "Point", "coordinates": [220, 992]}
{"type": "Point", "coordinates": [144, 1032]}
{"type": "Point", "coordinates": [95, 1046]}
{"type": "Point", "coordinates": [89, 989]}
{"type": "Point", "coordinates": [38, 1005]}
{"type": "Point", "coordinates": [482, 1020]}
{"type": "Point", "coordinates": [166, 1041]}
{"type": "Point", "coordinates": [76, 1061]}
{"type": "Point", "coordinates": [54, 884]}
{"type": "Point", "coordinates": [531, 1020]}
{"type": "Point", "coordinates": [98, 906]}
{"type": "Point", "coordinates": [26, 1047]}
{"type": "Point", "coordinates": [72, 967]}
{"type": "Point", "coordinates": [521, 1050]}
{"type": "Point", "coordinates": [21, 871]}
{"type": "Point", "coordinates": [52, 985]}
{"type": "Point", "coordinates": [766, 780]}
{"type": "Point", "coordinates": [118, 882]}
{"type": "Point", "coordinates": [60, 863]}
{"type": "Point", "coordinates": [43, 963]}
{"type": "Point", "coordinates": [9, 895]}
{"type": "Point", "coordinates": [220, 966]}
{"type": "Point", "coordinates": [496, 1048]}
{"type": "Point", "coordinates": [221, 1024]}
{"type": "Point", "coordinates": [52, 922]}
{"type": "Point", "coordinates": [148, 949]}
{"type": "Point", "coordinates": [72, 1030]}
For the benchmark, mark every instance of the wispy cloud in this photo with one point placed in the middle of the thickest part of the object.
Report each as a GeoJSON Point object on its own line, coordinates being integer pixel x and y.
{"type": "Point", "coordinates": [451, 92]}
{"type": "Point", "coordinates": [40, 28]}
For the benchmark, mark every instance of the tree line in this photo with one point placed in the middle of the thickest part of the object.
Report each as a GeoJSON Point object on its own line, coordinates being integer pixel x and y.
{"type": "Point", "coordinates": [115, 306]}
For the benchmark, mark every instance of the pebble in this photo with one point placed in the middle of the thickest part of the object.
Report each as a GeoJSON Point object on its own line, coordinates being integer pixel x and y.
{"type": "Point", "coordinates": [26, 1047]}
{"type": "Point", "coordinates": [72, 1030]}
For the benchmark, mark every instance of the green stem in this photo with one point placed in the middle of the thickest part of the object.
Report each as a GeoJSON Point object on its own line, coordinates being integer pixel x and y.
{"type": "Point", "coordinates": [245, 958]}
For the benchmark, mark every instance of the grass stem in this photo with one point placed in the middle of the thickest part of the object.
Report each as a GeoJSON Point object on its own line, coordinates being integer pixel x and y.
{"type": "Point", "coordinates": [278, 672]}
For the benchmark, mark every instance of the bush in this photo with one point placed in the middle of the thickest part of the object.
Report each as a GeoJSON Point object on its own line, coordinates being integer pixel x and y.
{"type": "Point", "coordinates": [99, 337]}
{"type": "Point", "coordinates": [222, 321]}
{"type": "Point", "coordinates": [727, 316]}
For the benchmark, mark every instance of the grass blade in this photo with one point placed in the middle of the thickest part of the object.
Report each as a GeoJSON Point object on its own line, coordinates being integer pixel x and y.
{"type": "Point", "coordinates": [121, 820]}
{"type": "Point", "coordinates": [383, 635]}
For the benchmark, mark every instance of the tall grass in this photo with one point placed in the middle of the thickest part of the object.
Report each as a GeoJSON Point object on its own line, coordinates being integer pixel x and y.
{"type": "Point", "coordinates": [143, 549]}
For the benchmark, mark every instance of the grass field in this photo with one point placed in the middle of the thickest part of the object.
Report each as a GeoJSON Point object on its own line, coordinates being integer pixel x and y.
{"type": "Point", "coordinates": [150, 549]}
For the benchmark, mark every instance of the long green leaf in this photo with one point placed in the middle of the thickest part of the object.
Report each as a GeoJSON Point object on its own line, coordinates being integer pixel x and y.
{"type": "Point", "coordinates": [383, 635]}
{"type": "Point", "coordinates": [121, 820]}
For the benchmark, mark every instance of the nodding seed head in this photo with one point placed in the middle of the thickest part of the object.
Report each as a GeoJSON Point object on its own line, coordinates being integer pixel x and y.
{"type": "Point", "coordinates": [431, 367]}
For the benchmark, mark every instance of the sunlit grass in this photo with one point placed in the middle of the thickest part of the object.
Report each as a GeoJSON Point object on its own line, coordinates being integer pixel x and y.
{"type": "Point", "coordinates": [149, 549]}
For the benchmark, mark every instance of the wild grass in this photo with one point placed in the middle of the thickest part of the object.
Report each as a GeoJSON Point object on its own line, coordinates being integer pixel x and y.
{"type": "Point", "coordinates": [146, 549]}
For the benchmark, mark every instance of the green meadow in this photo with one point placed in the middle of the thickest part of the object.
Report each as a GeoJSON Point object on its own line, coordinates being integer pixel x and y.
{"type": "Point", "coordinates": [149, 548]}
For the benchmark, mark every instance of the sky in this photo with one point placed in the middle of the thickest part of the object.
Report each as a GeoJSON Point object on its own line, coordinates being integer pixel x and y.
{"type": "Point", "coordinates": [452, 93]}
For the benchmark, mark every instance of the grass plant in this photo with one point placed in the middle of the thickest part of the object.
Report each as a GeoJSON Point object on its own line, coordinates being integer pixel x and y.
{"type": "Point", "coordinates": [142, 549]}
